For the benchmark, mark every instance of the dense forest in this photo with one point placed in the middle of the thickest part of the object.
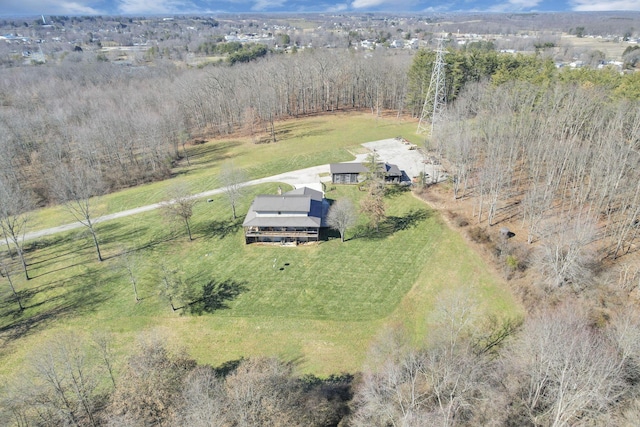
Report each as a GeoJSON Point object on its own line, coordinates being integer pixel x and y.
{"type": "Point", "coordinates": [130, 124]}
{"type": "Point", "coordinates": [556, 150]}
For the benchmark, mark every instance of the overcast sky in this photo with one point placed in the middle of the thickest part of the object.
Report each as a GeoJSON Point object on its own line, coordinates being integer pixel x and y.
{"type": "Point", "coordinates": [162, 7]}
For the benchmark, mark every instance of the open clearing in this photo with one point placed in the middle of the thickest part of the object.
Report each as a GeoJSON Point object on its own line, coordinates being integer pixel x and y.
{"type": "Point", "coordinates": [611, 49]}
{"type": "Point", "coordinates": [320, 305]}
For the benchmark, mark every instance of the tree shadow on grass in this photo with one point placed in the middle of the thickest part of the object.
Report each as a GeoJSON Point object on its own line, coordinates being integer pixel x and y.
{"type": "Point", "coordinates": [392, 224]}
{"type": "Point", "coordinates": [79, 300]}
{"type": "Point", "coordinates": [51, 251]}
{"type": "Point", "coordinates": [410, 220]}
{"type": "Point", "coordinates": [9, 306]}
{"type": "Point", "coordinates": [23, 326]}
{"type": "Point", "coordinates": [329, 234]}
{"type": "Point", "coordinates": [228, 367]}
{"type": "Point", "coordinates": [222, 229]}
{"type": "Point", "coordinates": [71, 245]}
{"type": "Point", "coordinates": [394, 190]}
{"type": "Point", "coordinates": [204, 155]}
{"type": "Point", "coordinates": [113, 233]}
{"type": "Point", "coordinates": [139, 248]}
{"type": "Point", "coordinates": [214, 296]}
{"type": "Point", "coordinates": [47, 242]}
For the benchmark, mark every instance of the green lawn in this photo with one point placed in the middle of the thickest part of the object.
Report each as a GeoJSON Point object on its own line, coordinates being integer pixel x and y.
{"type": "Point", "coordinates": [319, 304]}
{"type": "Point", "coordinates": [301, 143]}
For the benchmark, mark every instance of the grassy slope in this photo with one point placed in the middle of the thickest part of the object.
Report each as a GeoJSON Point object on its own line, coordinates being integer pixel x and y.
{"type": "Point", "coordinates": [301, 143]}
{"type": "Point", "coordinates": [322, 309]}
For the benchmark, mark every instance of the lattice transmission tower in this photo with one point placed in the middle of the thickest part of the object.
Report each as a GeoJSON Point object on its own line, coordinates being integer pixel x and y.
{"type": "Point", "coordinates": [436, 99]}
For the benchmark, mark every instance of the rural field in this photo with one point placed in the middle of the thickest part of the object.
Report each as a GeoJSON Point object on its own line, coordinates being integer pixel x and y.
{"type": "Point", "coordinates": [320, 304]}
{"type": "Point", "coordinates": [612, 50]}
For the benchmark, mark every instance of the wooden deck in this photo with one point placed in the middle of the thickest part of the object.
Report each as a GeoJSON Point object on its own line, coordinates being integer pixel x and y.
{"type": "Point", "coordinates": [260, 235]}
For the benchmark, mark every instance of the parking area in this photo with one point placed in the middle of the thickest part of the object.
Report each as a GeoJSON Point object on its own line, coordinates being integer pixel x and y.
{"type": "Point", "coordinates": [408, 158]}
{"type": "Point", "coordinates": [393, 150]}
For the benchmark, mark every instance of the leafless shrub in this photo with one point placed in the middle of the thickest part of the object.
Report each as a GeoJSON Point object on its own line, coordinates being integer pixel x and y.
{"type": "Point", "coordinates": [565, 256]}
{"type": "Point", "coordinates": [479, 235]}
{"type": "Point", "coordinates": [457, 219]}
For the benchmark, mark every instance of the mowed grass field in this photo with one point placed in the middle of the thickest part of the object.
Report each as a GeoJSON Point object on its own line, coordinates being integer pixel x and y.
{"type": "Point", "coordinates": [319, 304]}
{"type": "Point", "coordinates": [300, 143]}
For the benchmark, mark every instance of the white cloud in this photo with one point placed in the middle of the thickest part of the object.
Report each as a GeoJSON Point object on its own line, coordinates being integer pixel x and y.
{"type": "Point", "coordinates": [155, 7]}
{"type": "Point", "coordinates": [267, 4]}
{"type": "Point", "coordinates": [514, 6]}
{"type": "Point", "coordinates": [604, 5]}
{"type": "Point", "coordinates": [49, 7]}
{"type": "Point", "coordinates": [339, 7]}
{"type": "Point", "coordinates": [435, 9]}
{"type": "Point", "coordinates": [73, 8]}
{"type": "Point", "coordinates": [392, 5]}
{"type": "Point", "coordinates": [364, 4]}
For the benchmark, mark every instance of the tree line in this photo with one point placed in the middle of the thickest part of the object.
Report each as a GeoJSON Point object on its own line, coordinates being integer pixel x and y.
{"type": "Point", "coordinates": [129, 124]}
{"type": "Point", "coordinates": [564, 161]}
{"type": "Point", "coordinates": [558, 367]}
{"type": "Point", "coordinates": [476, 63]}
{"type": "Point", "coordinates": [78, 380]}
{"type": "Point", "coordinates": [130, 132]}
{"type": "Point", "coordinates": [557, 150]}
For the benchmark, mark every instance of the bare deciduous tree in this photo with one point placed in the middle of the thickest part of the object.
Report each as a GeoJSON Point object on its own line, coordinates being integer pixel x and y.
{"type": "Point", "coordinates": [154, 380]}
{"type": "Point", "coordinates": [205, 402]}
{"type": "Point", "coordinates": [169, 287]}
{"type": "Point", "coordinates": [15, 206]}
{"type": "Point", "coordinates": [341, 216]}
{"type": "Point", "coordinates": [233, 179]}
{"type": "Point", "coordinates": [5, 271]}
{"type": "Point", "coordinates": [436, 385]}
{"type": "Point", "coordinates": [61, 387]}
{"type": "Point", "coordinates": [262, 392]}
{"type": "Point", "coordinates": [129, 262]}
{"type": "Point", "coordinates": [562, 370]}
{"type": "Point", "coordinates": [565, 256]}
{"type": "Point", "coordinates": [102, 341]}
{"type": "Point", "coordinates": [180, 207]}
{"type": "Point", "coordinates": [75, 186]}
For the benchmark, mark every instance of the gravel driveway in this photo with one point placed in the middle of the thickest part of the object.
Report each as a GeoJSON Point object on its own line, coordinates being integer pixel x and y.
{"type": "Point", "coordinates": [390, 150]}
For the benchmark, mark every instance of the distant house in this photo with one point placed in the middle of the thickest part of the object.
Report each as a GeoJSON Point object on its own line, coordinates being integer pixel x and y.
{"type": "Point", "coordinates": [290, 218]}
{"type": "Point", "coordinates": [354, 173]}
{"type": "Point", "coordinates": [368, 44]}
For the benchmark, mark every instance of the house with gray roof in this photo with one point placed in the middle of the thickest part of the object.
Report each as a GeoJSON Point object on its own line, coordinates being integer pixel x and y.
{"type": "Point", "coordinates": [290, 218]}
{"type": "Point", "coordinates": [354, 173]}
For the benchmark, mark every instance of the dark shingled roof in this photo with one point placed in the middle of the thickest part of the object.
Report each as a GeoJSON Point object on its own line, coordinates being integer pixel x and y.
{"type": "Point", "coordinates": [306, 191]}
{"type": "Point", "coordinates": [388, 168]}
{"type": "Point", "coordinates": [301, 200]}
{"type": "Point", "coordinates": [347, 168]}
{"type": "Point", "coordinates": [283, 203]}
{"type": "Point", "coordinates": [393, 170]}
